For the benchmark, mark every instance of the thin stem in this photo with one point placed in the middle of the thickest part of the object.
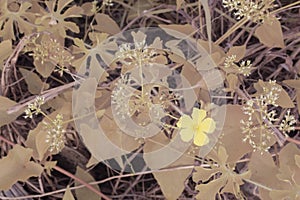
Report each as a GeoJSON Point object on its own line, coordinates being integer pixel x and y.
{"type": "Point", "coordinates": [231, 30]}
{"type": "Point", "coordinates": [258, 184]}
{"type": "Point", "coordinates": [285, 7]}
{"type": "Point", "coordinates": [82, 182]}
{"type": "Point", "coordinates": [6, 140]}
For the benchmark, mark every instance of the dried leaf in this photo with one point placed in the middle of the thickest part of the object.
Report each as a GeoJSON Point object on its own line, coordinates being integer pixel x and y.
{"type": "Point", "coordinates": [68, 194]}
{"type": "Point", "coordinates": [16, 166]}
{"type": "Point", "coordinates": [270, 33]}
{"type": "Point", "coordinates": [83, 193]}
{"type": "Point", "coordinates": [35, 84]}
{"type": "Point", "coordinates": [5, 105]}
{"type": "Point", "coordinates": [106, 24]}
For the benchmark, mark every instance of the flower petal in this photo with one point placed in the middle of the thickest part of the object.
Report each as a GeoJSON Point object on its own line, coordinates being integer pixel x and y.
{"type": "Point", "coordinates": [208, 125]}
{"type": "Point", "coordinates": [185, 121]}
{"type": "Point", "coordinates": [198, 115]}
{"type": "Point", "coordinates": [200, 139]}
{"type": "Point", "coordinates": [186, 134]}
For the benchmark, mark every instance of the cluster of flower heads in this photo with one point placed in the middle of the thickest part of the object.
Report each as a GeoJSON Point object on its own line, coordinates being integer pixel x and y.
{"type": "Point", "coordinates": [230, 61]}
{"type": "Point", "coordinates": [136, 54]}
{"type": "Point", "coordinates": [119, 98]}
{"type": "Point", "coordinates": [108, 2]}
{"type": "Point", "coordinates": [245, 67]}
{"type": "Point", "coordinates": [55, 132]}
{"type": "Point", "coordinates": [254, 10]}
{"type": "Point", "coordinates": [287, 123]}
{"type": "Point", "coordinates": [46, 49]}
{"type": "Point", "coordinates": [35, 107]}
{"type": "Point", "coordinates": [258, 128]}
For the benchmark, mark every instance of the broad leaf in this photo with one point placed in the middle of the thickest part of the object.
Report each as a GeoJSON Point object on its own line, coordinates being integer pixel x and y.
{"type": "Point", "coordinates": [160, 152]}
{"type": "Point", "coordinates": [210, 190]}
{"type": "Point", "coordinates": [83, 193]}
{"type": "Point", "coordinates": [238, 51]}
{"type": "Point", "coordinates": [68, 195]}
{"type": "Point", "coordinates": [174, 29]}
{"type": "Point", "coordinates": [263, 169]}
{"type": "Point", "coordinates": [34, 83]}
{"type": "Point", "coordinates": [20, 16]}
{"type": "Point", "coordinates": [5, 105]}
{"type": "Point", "coordinates": [295, 84]}
{"type": "Point", "coordinates": [232, 136]}
{"type": "Point", "coordinates": [228, 181]}
{"type": "Point", "coordinates": [270, 33]}
{"type": "Point", "coordinates": [6, 50]}
{"type": "Point", "coordinates": [16, 166]}
{"type": "Point", "coordinates": [106, 24]}
{"type": "Point", "coordinates": [170, 188]}
{"type": "Point", "coordinates": [58, 24]}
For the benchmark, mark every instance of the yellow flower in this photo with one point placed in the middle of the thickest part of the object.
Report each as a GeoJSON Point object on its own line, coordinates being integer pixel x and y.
{"type": "Point", "coordinates": [196, 127]}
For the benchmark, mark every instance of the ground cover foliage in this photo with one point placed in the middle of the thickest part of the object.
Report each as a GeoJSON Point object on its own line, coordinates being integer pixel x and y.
{"type": "Point", "coordinates": [66, 69]}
